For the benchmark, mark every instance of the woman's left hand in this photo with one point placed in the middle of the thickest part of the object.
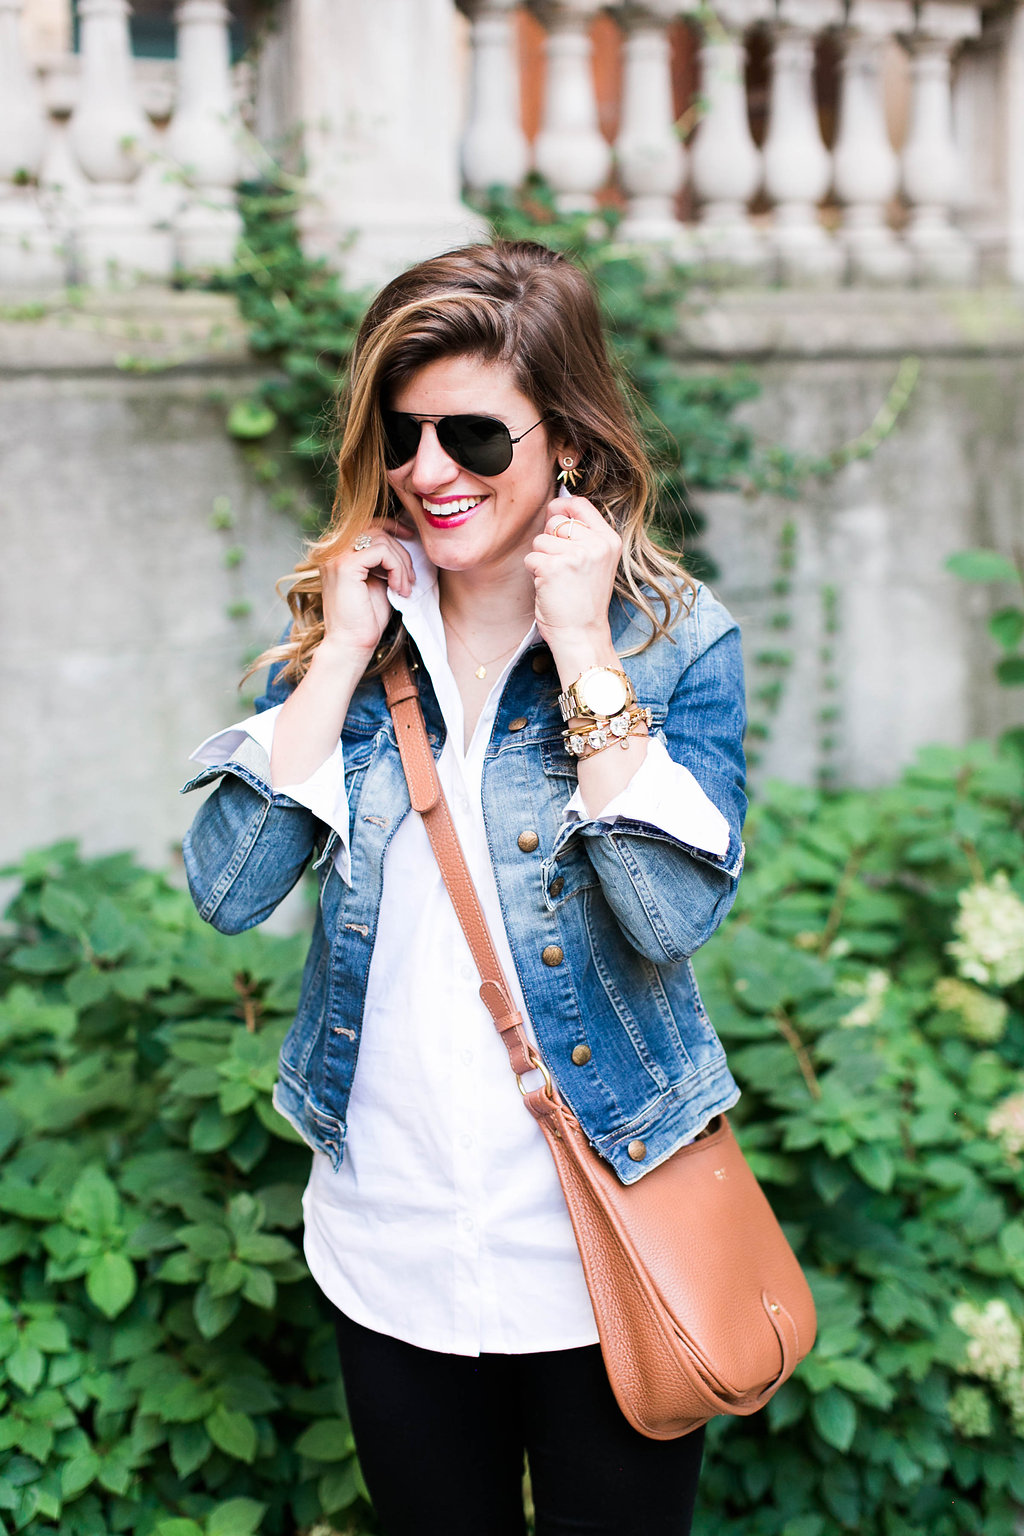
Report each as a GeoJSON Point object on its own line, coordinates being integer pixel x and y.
{"type": "Point", "coordinates": [573, 564]}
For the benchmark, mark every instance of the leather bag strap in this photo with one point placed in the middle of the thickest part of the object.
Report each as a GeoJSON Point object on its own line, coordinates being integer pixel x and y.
{"type": "Point", "coordinates": [427, 797]}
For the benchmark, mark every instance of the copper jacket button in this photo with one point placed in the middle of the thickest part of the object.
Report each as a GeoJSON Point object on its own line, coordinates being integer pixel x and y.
{"type": "Point", "coordinates": [528, 841]}
{"type": "Point", "coordinates": [541, 662]}
{"type": "Point", "coordinates": [551, 954]}
{"type": "Point", "coordinates": [580, 1055]}
{"type": "Point", "coordinates": [557, 886]}
{"type": "Point", "coordinates": [637, 1150]}
{"type": "Point", "coordinates": [518, 723]}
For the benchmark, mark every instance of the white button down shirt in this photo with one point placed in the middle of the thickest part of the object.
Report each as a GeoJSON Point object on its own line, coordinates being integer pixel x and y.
{"type": "Point", "coordinates": [445, 1224]}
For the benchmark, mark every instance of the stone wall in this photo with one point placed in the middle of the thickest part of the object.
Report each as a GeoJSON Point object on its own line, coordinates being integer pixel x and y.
{"type": "Point", "coordinates": [121, 654]}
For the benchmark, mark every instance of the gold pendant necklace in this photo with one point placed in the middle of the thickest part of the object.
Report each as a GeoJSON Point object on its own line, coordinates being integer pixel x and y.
{"type": "Point", "coordinates": [481, 666]}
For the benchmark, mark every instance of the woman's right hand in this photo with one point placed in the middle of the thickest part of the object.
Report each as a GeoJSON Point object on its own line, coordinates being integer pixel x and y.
{"type": "Point", "coordinates": [356, 611]}
{"type": "Point", "coordinates": [354, 588]}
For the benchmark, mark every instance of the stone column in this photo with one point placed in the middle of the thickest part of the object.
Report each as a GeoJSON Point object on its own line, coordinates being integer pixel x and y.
{"type": "Point", "coordinates": [931, 165]}
{"type": "Point", "coordinates": [867, 170]}
{"type": "Point", "coordinates": [374, 95]}
{"type": "Point", "coordinates": [28, 249]}
{"type": "Point", "coordinates": [109, 139]}
{"type": "Point", "coordinates": [570, 152]}
{"type": "Point", "coordinates": [797, 166]}
{"type": "Point", "coordinates": [649, 152]}
{"type": "Point", "coordinates": [725, 162]}
{"type": "Point", "coordinates": [203, 138]}
{"type": "Point", "coordinates": [494, 148]}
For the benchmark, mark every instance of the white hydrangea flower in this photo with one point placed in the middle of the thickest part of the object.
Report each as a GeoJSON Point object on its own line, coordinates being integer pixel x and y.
{"type": "Point", "coordinates": [995, 1346]}
{"type": "Point", "coordinates": [1006, 1124]}
{"type": "Point", "coordinates": [970, 1411]}
{"type": "Point", "coordinates": [984, 1016]}
{"type": "Point", "coordinates": [871, 991]}
{"type": "Point", "coordinates": [989, 947]}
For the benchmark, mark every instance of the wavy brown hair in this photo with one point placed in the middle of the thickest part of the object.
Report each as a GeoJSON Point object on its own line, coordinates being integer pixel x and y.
{"type": "Point", "coordinates": [524, 305]}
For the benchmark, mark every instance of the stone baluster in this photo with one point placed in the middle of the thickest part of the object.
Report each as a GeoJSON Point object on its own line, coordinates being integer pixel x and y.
{"type": "Point", "coordinates": [494, 148]}
{"type": "Point", "coordinates": [570, 151]}
{"type": "Point", "coordinates": [725, 163]}
{"type": "Point", "coordinates": [866, 167]}
{"type": "Point", "coordinates": [931, 164]}
{"type": "Point", "coordinates": [649, 152]}
{"type": "Point", "coordinates": [113, 240]}
{"type": "Point", "coordinates": [203, 138]}
{"type": "Point", "coordinates": [797, 166]}
{"type": "Point", "coordinates": [28, 250]}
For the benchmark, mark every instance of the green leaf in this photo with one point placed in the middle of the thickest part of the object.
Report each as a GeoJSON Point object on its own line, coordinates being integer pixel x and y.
{"type": "Point", "coordinates": [111, 1283]}
{"type": "Point", "coordinates": [179, 1528]}
{"type": "Point", "coordinates": [94, 1205]}
{"type": "Point", "coordinates": [250, 420]}
{"type": "Point", "coordinates": [233, 1433]}
{"type": "Point", "coordinates": [1006, 626]}
{"type": "Point", "coordinates": [982, 565]}
{"type": "Point", "coordinates": [327, 1440]}
{"type": "Point", "coordinates": [834, 1416]}
{"type": "Point", "coordinates": [1010, 671]}
{"type": "Point", "coordinates": [213, 1313]}
{"type": "Point", "coordinates": [78, 1473]}
{"type": "Point", "coordinates": [875, 1166]}
{"type": "Point", "coordinates": [338, 1488]}
{"type": "Point", "coordinates": [236, 1517]}
{"type": "Point", "coordinates": [205, 1240]}
{"type": "Point", "coordinates": [265, 1248]}
{"type": "Point", "coordinates": [190, 1447]}
{"type": "Point", "coordinates": [62, 910]}
{"type": "Point", "coordinates": [25, 1366]}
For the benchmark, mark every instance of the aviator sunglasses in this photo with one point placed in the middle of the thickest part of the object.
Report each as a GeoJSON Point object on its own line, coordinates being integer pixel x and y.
{"type": "Point", "coordinates": [477, 443]}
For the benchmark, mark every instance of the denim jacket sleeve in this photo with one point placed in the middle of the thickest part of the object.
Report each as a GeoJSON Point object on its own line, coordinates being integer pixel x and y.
{"type": "Point", "coordinates": [247, 846]}
{"type": "Point", "coordinates": [669, 896]}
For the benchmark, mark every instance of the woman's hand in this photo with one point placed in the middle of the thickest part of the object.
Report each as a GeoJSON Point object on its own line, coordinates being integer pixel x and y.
{"type": "Point", "coordinates": [355, 587]}
{"type": "Point", "coordinates": [573, 564]}
{"type": "Point", "coordinates": [356, 611]}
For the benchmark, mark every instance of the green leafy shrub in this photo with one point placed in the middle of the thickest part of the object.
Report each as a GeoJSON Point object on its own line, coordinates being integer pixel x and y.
{"type": "Point", "coordinates": [869, 989]}
{"type": "Point", "coordinates": [166, 1364]}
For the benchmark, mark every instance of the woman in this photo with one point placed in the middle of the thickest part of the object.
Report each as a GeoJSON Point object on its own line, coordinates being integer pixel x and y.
{"type": "Point", "coordinates": [584, 700]}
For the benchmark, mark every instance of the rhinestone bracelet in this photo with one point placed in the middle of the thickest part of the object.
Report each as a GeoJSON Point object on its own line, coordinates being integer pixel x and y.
{"type": "Point", "coordinates": [596, 736]}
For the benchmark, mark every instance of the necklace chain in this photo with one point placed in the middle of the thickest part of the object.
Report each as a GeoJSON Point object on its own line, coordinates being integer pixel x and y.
{"type": "Point", "coordinates": [481, 666]}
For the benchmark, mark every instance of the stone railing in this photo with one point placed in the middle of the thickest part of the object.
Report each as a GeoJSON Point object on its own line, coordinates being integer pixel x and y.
{"type": "Point", "coordinates": [110, 165]}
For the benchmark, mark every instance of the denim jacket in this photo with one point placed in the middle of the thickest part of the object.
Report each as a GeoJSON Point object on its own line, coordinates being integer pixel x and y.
{"type": "Point", "coordinates": [601, 917]}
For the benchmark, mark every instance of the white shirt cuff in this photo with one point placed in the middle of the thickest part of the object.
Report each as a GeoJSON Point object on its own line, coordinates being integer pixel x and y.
{"type": "Point", "coordinates": [323, 792]}
{"type": "Point", "coordinates": [664, 795]}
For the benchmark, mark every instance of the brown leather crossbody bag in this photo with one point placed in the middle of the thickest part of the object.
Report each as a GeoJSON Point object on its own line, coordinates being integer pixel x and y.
{"type": "Point", "coordinates": [700, 1303]}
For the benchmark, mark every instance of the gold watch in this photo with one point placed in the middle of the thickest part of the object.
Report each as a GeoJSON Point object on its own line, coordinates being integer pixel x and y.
{"type": "Point", "coordinates": [597, 694]}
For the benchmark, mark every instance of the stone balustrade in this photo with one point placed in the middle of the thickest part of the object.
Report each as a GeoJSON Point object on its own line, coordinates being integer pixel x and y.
{"type": "Point", "coordinates": [881, 142]}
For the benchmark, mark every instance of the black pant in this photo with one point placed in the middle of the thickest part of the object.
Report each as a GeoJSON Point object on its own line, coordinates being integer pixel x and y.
{"type": "Point", "coordinates": [441, 1440]}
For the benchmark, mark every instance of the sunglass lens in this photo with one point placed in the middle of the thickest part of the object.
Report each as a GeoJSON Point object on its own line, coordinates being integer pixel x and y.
{"type": "Point", "coordinates": [401, 438]}
{"type": "Point", "coordinates": [479, 443]}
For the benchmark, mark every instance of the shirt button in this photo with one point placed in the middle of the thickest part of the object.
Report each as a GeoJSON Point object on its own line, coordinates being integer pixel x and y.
{"type": "Point", "coordinates": [637, 1150]}
{"type": "Point", "coordinates": [528, 841]}
{"type": "Point", "coordinates": [580, 1055]}
{"type": "Point", "coordinates": [467, 1058]}
{"type": "Point", "coordinates": [518, 723]}
{"type": "Point", "coordinates": [541, 662]}
{"type": "Point", "coordinates": [466, 972]}
{"type": "Point", "coordinates": [467, 1223]}
{"type": "Point", "coordinates": [552, 954]}
{"type": "Point", "coordinates": [557, 885]}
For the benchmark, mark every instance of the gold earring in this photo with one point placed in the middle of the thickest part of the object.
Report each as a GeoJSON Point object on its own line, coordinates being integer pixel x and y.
{"type": "Point", "coordinates": [568, 473]}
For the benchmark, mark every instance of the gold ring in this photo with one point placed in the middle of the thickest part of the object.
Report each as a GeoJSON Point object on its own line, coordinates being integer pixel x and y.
{"type": "Point", "coordinates": [570, 523]}
{"type": "Point", "coordinates": [363, 542]}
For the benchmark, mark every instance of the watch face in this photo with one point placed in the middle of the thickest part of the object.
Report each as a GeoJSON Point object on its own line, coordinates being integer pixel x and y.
{"type": "Point", "coordinates": [602, 691]}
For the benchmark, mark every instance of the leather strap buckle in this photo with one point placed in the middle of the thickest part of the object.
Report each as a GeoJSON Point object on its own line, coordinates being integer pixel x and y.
{"type": "Point", "coordinates": [540, 1066]}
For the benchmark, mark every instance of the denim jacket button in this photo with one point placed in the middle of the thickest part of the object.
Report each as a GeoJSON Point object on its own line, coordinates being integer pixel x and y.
{"type": "Point", "coordinates": [518, 723]}
{"type": "Point", "coordinates": [637, 1150]}
{"type": "Point", "coordinates": [557, 885]}
{"type": "Point", "coordinates": [528, 841]}
{"type": "Point", "coordinates": [552, 954]}
{"type": "Point", "coordinates": [580, 1055]}
{"type": "Point", "coordinates": [541, 662]}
